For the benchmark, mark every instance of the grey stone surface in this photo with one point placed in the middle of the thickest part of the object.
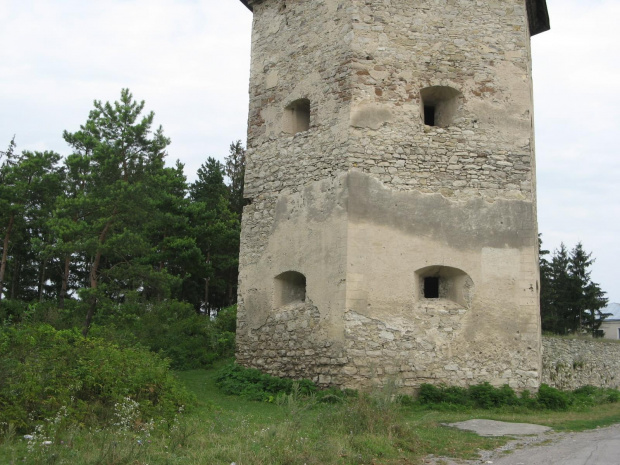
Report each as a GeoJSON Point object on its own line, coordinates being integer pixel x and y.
{"type": "Point", "coordinates": [499, 428]}
{"type": "Point", "coordinates": [597, 447]}
{"type": "Point", "coordinates": [570, 363]}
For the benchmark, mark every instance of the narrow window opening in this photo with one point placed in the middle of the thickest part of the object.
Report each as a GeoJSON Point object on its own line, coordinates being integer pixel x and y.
{"type": "Point", "coordinates": [297, 116]}
{"type": "Point", "coordinates": [444, 282]}
{"type": "Point", "coordinates": [439, 105]}
{"type": "Point", "coordinates": [431, 288]}
{"type": "Point", "coordinates": [429, 115]}
{"type": "Point", "coordinates": [290, 287]}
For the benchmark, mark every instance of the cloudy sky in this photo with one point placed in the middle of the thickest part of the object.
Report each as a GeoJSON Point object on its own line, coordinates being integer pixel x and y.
{"type": "Point", "coordinates": [189, 60]}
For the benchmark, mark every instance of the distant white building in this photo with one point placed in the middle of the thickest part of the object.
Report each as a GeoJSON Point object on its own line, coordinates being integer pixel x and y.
{"type": "Point", "coordinates": [611, 325]}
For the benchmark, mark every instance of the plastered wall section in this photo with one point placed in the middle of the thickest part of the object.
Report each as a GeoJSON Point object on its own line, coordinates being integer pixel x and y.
{"type": "Point", "coordinates": [394, 333]}
{"type": "Point", "coordinates": [308, 235]}
{"type": "Point", "coordinates": [611, 329]}
{"type": "Point", "coordinates": [573, 363]}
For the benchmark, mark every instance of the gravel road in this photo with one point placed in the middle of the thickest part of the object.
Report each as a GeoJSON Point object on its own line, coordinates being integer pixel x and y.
{"type": "Point", "coordinates": [596, 447]}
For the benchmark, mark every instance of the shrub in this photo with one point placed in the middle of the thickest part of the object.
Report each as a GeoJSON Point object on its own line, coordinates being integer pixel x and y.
{"type": "Point", "coordinates": [552, 398]}
{"type": "Point", "coordinates": [429, 394]}
{"type": "Point", "coordinates": [486, 396]}
{"type": "Point", "coordinates": [253, 384]}
{"type": "Point", "coordinates": [591, 395]}
{"type": "Point", "coordinates": [173, 329]}
{"type": "Point", "coordinates": [45, 371]}
{"type": "Point", "coordinates": [483, 396]}
{"type": "Point", "coordinates": [437, 395]}
{"type": "Point", "coordinates": [613, 395]}
{"type": "Point", "coordinates": [334, 395]}
{"type": "Point", "coordinates": [455, 395]}
{"type": "Point", "coordinates": [19, 311]}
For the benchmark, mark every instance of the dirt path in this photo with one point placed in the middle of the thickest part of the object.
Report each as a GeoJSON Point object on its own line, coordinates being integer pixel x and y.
{"type": "Point", "coordinates": [596, 447]}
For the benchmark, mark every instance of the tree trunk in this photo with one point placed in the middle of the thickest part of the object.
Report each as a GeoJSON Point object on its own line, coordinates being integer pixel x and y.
{"type": "Point", "coordinates": [94, 279]}
{"type": "Point", "coordinates": [5, 252]}
{"type": "Point", "coordinates": [17, 269]}
{"type": "Point", "coordinates": [42, 279]}
{"type": "Point", "coordinates": [65, 283]}
{"type": "Point", "coordinates": [206, 299]}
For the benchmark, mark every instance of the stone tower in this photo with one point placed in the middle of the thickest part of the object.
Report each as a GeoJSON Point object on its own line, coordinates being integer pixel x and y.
{"type": "Point", "coordinates": [390, 230]}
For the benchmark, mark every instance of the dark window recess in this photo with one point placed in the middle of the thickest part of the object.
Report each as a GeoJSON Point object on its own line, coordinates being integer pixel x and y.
{"type": "Point", "coordinates": [429, 115]}
{"type": "Point", "coordinates": [431, 288]}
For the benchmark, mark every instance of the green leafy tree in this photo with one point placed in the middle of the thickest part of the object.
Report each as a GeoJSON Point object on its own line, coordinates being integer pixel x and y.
{"type": "Point", "coordinates": [69, 215]}
{"type": "Point", "coordinates": [29, 183]}
{"type": "Point", "coordinates": [548, 313]}
{"type": "Point", "coordinates": [555, 298]}
{"type": "Point", "coordinates": [235, 170]}
{"type": "Point", "coordinates": [8, 200]}
{"type": "Point", "coordinates": [42, 178]}
{"type": "Point", "coordinates": [174, 247]}
{"type": "Point", "coordinates": [570, 302]}
{"type": "Point", "coordinates": [587, 298]}
{"type": "Point", "coordinates": [120, 158]}
{"type": "Point", "coordinates": [217, 229]}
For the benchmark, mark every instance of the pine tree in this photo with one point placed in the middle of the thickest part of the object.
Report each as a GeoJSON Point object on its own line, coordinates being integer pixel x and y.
{"type": "Point", "coordinates": [548, 313]}
{"type": "Point", "coordinates": [28, 184]}
{"type": "Point", "coordinates": [121, 158]}
{"type": "Point", "coordinates": [570, 303]}
{"type": "Point", "coordinates": [8, 199]}
{"type": "Point", "coordinates": [587, 299]}
{"type": "Point", "coordinates": [235, 170]}
{"type": "Point", "coordinates": [217, 229]}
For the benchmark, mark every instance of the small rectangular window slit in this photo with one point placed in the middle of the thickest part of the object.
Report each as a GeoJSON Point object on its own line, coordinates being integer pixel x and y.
{"type": "Point", "coordinates": [429, 115]}
{"type": "Point", "coordinates": [431, 288]}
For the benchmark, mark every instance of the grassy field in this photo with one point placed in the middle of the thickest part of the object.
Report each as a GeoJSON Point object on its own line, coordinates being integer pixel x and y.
{"type": "Point", "coordinates": [227, 429]}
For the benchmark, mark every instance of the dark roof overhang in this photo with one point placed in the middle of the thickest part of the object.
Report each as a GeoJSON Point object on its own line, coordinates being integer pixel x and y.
{"type": "Point", "coordinates": [537, 15]}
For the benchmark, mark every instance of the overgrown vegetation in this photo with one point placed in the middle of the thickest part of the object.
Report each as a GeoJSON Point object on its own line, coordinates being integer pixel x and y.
{"type": "Point", "coordinates": [62, 375]}
{"type": "Point", "coordinates": [485, 396]}
{"type": "Point", "coordinates": [376, 427]}
{"type": "Point", "coordinates": [171, 328]}
{"type": "Point", "coordinates": [255, 385]}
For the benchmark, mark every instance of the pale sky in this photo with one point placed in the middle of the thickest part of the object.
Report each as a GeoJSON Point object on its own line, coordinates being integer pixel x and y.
{"type": "Point", "coordinates": [189, 60]}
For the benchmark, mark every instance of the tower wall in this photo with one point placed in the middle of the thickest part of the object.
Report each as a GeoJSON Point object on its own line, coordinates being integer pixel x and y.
{"type": "Point", "coordinates": [370, 204]}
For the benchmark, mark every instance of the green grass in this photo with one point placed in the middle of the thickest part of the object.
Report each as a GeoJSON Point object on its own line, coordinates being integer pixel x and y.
{"type": "Point", "coordinates": [224, 429]}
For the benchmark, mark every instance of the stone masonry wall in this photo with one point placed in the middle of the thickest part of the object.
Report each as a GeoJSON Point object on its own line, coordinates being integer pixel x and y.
{"type": "Point", "coordinates": [291, 344]}
{"type": "Point", "coordinates": [572, 363]}
{"type": "Point", "coordinates": [480, 49]}
{"type": "Point", "coordinates": [362, 65]}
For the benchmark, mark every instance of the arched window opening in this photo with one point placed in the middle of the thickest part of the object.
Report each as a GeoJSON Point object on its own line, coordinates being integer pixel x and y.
{"type": "Point", "coordinates": [290, 287]}
{"type": "Point", "coordinates": [439, 105]}
{"type": "Point", "coordinates": [297, 116]}
{"type": "Point", "coordinates": [444, 282]}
